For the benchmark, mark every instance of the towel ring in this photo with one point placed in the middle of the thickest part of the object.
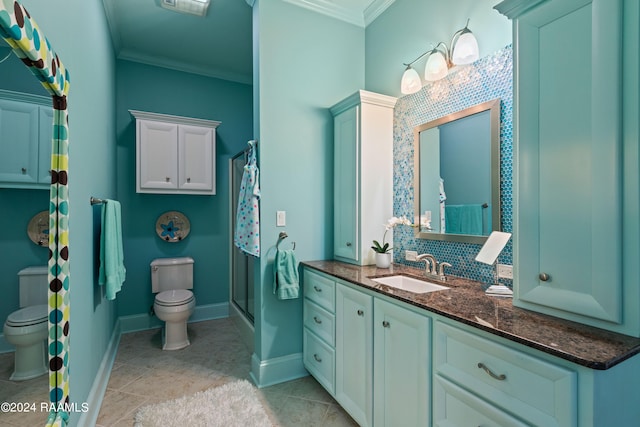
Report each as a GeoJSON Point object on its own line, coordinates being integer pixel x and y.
{"type": "Point", "coordinates": [283, 236]}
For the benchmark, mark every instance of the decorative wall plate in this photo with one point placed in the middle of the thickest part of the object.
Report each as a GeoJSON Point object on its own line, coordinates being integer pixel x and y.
{"type": "Point", "coordinates": [172, 226]}
{"type": "Point", "coordinates": [38, 229]}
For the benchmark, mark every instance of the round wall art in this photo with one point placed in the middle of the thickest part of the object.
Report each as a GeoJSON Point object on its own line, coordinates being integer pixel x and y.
{"type": "Point", "coordinates": [38, 229]}
{"type": "Point", "coordinates": [173, 226]}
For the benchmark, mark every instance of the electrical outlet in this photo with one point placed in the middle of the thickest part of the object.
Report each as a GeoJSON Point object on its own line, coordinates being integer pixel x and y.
{"type": "Point", "coordinates": [505, 271]}
{"type": "Point", "coordinates": [410, 255]}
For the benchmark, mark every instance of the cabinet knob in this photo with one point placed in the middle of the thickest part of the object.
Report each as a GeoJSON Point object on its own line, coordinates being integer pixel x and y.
{"type": "Point", "coordinates": [386, 324]}
{"type": "Point", "coordinates": [24, 170]}
{"type": "Point", "coordinates": [317, 289]}
{"type": "Point", "coordinates": [318, 321]}
{"type": "Point", "coordinates": [188, 179]}
{"type": "Point", "coordinates": [360, 313]}
{"type": "Point", "coordinates": [348, 244]}
{"type": "Point", "coordinates": [318, 358]}
{"type": "Point", "coordinates": [544, 277]}
{"type": "Point", "coordinates": [166, 178]}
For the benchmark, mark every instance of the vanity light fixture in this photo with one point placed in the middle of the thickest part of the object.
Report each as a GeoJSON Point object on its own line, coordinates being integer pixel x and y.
{"type": "Point", "coordinates": [464, 50]}
{"type": "Point", "coordinates": [192, 7]}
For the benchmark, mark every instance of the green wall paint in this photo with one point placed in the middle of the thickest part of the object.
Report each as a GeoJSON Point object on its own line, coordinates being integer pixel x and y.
{"type": "Point", "coordinates": [304, 63]}
{"type": "Point", "coordinates": [148, 88]}
{"type": "Point", "coordinates": [408, 28]}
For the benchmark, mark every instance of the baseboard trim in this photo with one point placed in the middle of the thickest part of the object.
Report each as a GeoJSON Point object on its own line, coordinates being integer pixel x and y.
{"type": "Point", "coordinates": [99, 387]}
{"type": "Point", "coordinates": [143, 322]}
{"type": "Point", "coordinates": [277, 370]}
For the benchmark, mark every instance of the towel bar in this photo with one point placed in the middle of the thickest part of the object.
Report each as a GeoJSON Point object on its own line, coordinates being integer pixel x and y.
{"type": "Point", "coordinates": [96, 201]}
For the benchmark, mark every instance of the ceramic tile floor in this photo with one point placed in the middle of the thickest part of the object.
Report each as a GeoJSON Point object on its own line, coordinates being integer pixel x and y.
{"type": "Point", "coordinates": [144, 374]}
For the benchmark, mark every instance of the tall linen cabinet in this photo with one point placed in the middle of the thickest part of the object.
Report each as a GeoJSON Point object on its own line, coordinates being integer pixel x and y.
{"type": "Point", "coordinates": [576, 192]}
{"type": "Point", "coordinates": [363, 174]}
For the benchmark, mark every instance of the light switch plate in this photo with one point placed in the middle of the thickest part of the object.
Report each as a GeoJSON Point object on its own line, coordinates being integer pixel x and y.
{"type": "Point", "coordinates": [281, 218]}
{"type": "Point", "coordinates": [410, 255]}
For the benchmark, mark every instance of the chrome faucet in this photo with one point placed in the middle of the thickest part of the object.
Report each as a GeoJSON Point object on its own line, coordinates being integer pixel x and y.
{"type": "Point", "coordinates": [433, 268]}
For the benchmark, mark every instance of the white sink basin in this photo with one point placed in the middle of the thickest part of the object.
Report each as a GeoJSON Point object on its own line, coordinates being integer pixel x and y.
{"type": "Point", "coordinates": [409, 284]}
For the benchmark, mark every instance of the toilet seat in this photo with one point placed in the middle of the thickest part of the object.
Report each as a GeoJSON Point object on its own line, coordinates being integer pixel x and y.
{"type": "Point", "coordinates": [28, 316]}
{"type": "Point", "coordinates": [174, 298]}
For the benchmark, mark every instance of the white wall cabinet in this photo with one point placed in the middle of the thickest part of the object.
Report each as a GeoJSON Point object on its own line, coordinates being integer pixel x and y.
{"type": "Point", "coordinates": [576, 234]}
{"type": "Point", "coordinates": [363, 174]}
{"type": "Point", "coordinates": [175, 155]}
{"type": "Point", "coordinates": [26, 133]}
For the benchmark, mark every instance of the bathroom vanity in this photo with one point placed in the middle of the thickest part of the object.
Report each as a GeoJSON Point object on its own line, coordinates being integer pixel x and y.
{"type": "Point", "coordinates": [457, 356]}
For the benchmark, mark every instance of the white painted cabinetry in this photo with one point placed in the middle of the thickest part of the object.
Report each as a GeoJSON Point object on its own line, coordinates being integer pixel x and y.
{"type": "Point", "coordinates": [363, 174]}
{"type": "Point", "coordinates": [26, 135]}
{"type": "Point", "coordinates": [175, 155]}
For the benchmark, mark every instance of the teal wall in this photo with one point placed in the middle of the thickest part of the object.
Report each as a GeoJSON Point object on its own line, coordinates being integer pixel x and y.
{"type": "Point", "coordinates": [408, 28]}
{"type": "Point", "coordinates": [147, 88]}
{"type": "Point", "coordinates": [78, 32]}
{"type": "Point", "coordinates": [304, 63]}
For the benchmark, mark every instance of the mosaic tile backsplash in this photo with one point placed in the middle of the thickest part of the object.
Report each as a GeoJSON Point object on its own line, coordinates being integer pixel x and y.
{"type": "Point", "coordinates": [488, 78]}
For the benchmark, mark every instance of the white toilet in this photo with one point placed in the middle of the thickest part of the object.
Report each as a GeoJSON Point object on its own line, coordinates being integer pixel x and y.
{"type": "Point", "coordinates": [171, 279]}
{"type": "Point", "coordinates": [26, 328]}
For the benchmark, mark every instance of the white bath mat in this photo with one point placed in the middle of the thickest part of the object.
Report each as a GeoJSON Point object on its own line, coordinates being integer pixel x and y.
{"type": "Point", "coordinates": [232, 404]}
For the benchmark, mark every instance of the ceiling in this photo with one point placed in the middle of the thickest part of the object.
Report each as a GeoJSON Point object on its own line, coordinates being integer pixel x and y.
{"type": "Point", "coordinates": [218, 45]}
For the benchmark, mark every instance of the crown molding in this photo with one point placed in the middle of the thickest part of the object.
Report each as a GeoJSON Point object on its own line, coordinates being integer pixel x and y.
{"type": "Point", "coordinates": [375, 9]}
{"type": "Point", "coordinates": [353, 15]}
{"type": "Point", "coordinates": [514, 8]}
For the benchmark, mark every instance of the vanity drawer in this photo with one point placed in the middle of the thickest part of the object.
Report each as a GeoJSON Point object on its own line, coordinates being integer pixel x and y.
{"type": "Point", "coordinates": [320, 290]}
{"type": "Point", "coordinates": [455, 407]}
{"type": "Point", "coordinates": [320, 322]}
{"type": "Point", "coordinates": [540, 392]}
{"type": "Point", "coordinates": [320, 361]}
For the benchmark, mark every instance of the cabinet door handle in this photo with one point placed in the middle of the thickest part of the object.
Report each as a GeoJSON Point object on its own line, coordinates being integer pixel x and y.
{"type": "Point", "coordinates": [544, 277]}
{"type": "Point", "coordinates": [360, 313]}
{"type": "Point", "coordinates": [317, 289]}
{"type": "Point", "coordinates": [318, 358]}
{"type": "Point", "coordinates": [24, 170]}
{"type": "Point", "coordinates": [348, 243]}
{"type": "Point", "coordinates": [500, 377]}
{"type": "Point", "coordinates": [318, 321]}
{"type": "Point", "coordinates": [386, 324]}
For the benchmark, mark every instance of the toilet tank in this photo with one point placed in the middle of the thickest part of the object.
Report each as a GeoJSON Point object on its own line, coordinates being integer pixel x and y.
{"type": "Point", "coordinates": [33, 282]}
{"type": "Point", "coordinates": [171, 273]}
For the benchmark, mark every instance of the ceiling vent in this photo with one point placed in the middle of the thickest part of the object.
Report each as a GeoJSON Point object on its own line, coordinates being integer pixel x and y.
{"type": "Point", "coordinates": [192, 7]}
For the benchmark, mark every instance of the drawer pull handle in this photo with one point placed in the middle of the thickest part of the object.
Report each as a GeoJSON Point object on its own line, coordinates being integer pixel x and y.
{"type": "Point", "coordinates": [317, 289]}
{"type": "Point", "coordinates": [315, 319]}
{"type": "Point", "coordinates": [500, 377]}
{"type": "Point", "coordinates": [348, 244]}
{"type": "Point", "coordinates": [360, 313]}
{"type": "Point", "coordinates": [386, 324]}
{"type": "Point", "coordinates": [318, 358]}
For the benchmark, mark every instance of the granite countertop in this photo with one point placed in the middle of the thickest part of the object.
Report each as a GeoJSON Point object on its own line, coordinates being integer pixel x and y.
{"type": "Point", "coordinates": [466, 302]}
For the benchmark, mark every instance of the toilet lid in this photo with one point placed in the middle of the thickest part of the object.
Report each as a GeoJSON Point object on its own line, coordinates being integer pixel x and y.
{"type": "Point", "coordinates": [28, 316]}
{"type": "Point", "coordinates": [174, 297]}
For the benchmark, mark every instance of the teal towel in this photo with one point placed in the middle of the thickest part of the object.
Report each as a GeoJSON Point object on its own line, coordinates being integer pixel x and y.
{"type": "Point", "coordinates": [285, 275]}
{"type": "Point", "coordinates": [112, 272]}
{"type": "Point", "coordinates": [464, 219]}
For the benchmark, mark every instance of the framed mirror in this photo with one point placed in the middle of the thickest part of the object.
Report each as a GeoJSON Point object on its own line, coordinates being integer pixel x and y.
{"type": "Point", "coordinates": [457, 175]}
{"type": "Point", "coordinates": [22, 34]}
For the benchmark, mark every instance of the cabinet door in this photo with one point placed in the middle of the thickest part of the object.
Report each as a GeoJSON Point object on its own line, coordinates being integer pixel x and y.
{"type": "Point", "coordinates": [568, 205]}
{"type": "Point", "coordinates": [401, 366]}
{"type": "Point", "coordinates": [157, 155]}
{"type": "Point", "coordinates": [18, 142]}
{"type": "Point", "coordinates": [354, 388]}
{"type": "Point", "coordinates": [196, 147]}
{"type": "Point", "coordinates": [346, 197]}
{"type": "Point", "coordinates": [45, 143]}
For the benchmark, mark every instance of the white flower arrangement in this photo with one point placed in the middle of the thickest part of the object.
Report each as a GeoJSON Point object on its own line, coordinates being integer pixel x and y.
{"type": "Point", "coordinates": [391, 223]}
